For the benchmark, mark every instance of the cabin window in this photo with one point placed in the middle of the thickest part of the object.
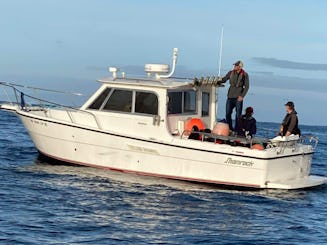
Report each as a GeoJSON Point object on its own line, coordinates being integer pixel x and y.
{"type": "Point", "coordinates": [182, 102]}
{"type": "Point", "coordinates": [146, 103]}
{"type": "Point", "coordinates": [189, 102]}
{"type": "Point", "coordinates": [205, 104]}
{"type": "Point", "coordinates": [175, 102]}
{"type": "Point", "coordinates": [120, 100]}
{"type": "Point", "coordinates": [100, 99]}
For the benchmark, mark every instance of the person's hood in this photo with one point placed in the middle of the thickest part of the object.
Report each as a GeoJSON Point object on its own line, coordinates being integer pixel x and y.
{"type": "Point", "coordinates": [248, 117]}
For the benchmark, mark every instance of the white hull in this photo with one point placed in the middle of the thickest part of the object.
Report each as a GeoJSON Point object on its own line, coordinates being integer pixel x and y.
{"type": "Point", "coordinates": [175, 158]}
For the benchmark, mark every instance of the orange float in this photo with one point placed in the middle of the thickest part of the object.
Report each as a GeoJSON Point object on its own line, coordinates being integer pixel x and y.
{"type": "Point", "coordinates": [258, 147]}
{"type": "Point", "coordinates": [221, 129]}
{"type": "Point", "coordinates": [194, 122]}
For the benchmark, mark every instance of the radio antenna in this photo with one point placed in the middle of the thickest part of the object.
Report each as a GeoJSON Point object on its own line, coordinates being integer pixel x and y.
{"type": "Point", "coordinates": [221, 49]}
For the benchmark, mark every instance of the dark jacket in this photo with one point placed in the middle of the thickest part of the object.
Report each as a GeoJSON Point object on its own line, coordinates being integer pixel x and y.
{"type": "Point", "coordinates": [291, 124]}
{"type": "Point", "coordinates": [239, 83]}
{"type": "Point", "coordinates": [246, 123]}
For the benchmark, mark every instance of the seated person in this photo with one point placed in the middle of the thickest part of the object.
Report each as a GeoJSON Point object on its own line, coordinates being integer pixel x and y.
{"type": "Point", "coordinates": [197, 134]}
{"type": "Point", "coordinates": [194, 135]}
{"type": "Point", "coordinates": [246, 125]}
{"type": "Point", "coordinates": [290, 124]}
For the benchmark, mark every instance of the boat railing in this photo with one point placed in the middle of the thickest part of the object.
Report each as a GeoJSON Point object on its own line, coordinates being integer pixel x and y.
{"type": "Point", "coordinates": [309, 139]}
{"type": "Point", "coordinates": [249, 142]}
{"type": "Point", "coordinates": [220, 139]}
{"type": "Point", "coordinates": [42, 104]}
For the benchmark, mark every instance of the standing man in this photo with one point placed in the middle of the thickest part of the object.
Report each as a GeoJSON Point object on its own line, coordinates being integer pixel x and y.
{"type": "Point", "coordinates": [290, 124]}
{"type": "Point", "coordinates": [239, 86]}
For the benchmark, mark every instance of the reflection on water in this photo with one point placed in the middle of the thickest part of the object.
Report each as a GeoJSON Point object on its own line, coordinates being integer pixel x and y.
{"type": "Point", "coordinates": [85, 204]}
{"type": "Point", "coordinates": [136, 208]}
{"type": "Point", "coordinates": [125, 179]}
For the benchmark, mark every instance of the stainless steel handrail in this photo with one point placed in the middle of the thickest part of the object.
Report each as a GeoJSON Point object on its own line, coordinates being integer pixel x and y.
{"type": "Point", "coordinates": [43, 105]}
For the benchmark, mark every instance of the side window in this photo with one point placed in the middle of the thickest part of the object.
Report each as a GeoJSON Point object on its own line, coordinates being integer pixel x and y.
{"type": "Point", "coordinates": [189, 102]}
{"type": "Point", "coordinates": [100, 99]}
{"type": "Point", "coordinates": [205, 104]}
{"type": "Point", "coordinates": [146, 103]}
{"type": "Point", "coordinates": [120, 100]}
{"type": "Point", "coordinates": [175, 102]}
{"type": "Point", "coordinates": [182, 102]}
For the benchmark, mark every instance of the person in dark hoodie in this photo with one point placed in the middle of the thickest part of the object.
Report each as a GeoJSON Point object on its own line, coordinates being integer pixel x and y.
{"type": "Point", "coordinates": [290, 124]}
{"type": "Point", "coordinates": [246, 125]}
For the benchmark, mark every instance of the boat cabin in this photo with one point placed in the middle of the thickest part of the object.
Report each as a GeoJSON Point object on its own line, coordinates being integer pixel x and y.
{"type": "Point", "coordinates": [150, 106]}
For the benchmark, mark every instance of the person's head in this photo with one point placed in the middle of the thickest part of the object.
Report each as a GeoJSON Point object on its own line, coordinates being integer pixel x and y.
{"type": "Point", "coordinates": [195, 128]}
{"type": "Point", "coordinates": [238, 65]}
{"type": "Point", "coordinates": [249, 111]}
{"type": "Point", "coordinates": [289, 106]}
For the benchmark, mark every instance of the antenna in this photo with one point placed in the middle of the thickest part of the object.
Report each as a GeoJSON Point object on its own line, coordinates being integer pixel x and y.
{"type": "Point", "coordinates": [175, 51]}
{"type": "Point", "coordinates": [221, 49]}
{"type": "Point", "coordinates": [215, 90]}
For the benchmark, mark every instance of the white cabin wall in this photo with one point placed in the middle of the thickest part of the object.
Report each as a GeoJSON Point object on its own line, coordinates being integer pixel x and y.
{"type": "Point", "coordinates": [213, 106]}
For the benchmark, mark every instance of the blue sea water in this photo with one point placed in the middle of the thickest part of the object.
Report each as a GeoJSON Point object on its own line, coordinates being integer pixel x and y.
{"type": "Point", "coordinates": [43, 203]}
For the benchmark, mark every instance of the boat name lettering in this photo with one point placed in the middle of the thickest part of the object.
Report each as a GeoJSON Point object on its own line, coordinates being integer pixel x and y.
{"type": "Point", "coordinates": [38, 122]}
{"type": "Point", "coordinates": [238, 162]}
{"type": "Point", "coordinates": [142, 149]}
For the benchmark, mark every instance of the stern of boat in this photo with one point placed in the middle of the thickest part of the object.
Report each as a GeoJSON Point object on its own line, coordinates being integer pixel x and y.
{"type": "Point", "coordinates": [291, 168]}
{"type": "Point", "coordinates": [305, 182]}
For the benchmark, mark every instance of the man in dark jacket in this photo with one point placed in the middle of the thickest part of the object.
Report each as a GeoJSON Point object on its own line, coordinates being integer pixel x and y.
{"type": "Point", "coordinates": [290, 124]}
{"type": "Point", "coordinates": [239, 86]}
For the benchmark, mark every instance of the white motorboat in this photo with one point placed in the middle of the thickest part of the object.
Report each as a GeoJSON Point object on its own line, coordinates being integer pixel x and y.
{"type": "Point", "coordinates": [143, 126]}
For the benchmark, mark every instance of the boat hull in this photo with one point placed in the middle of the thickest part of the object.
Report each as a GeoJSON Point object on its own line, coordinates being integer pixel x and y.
{"type": "Point", "coordinates": [175, 159]}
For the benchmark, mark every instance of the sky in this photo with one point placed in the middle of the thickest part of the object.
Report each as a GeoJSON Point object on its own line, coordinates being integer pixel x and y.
{"type": "Point", "coordinates": [67, 45]}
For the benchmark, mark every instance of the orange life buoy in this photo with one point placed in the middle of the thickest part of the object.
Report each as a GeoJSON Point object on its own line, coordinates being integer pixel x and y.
{"type": "Point", "coordinates": [258, 147]}
{"type": "Point", "coordinates": [194, 122]}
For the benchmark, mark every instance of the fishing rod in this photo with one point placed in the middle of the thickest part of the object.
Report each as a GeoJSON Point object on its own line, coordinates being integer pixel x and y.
{"type": "Point", "coordinates": [220, 50]}
{"type": "Point", "coordinates": [41, 89]}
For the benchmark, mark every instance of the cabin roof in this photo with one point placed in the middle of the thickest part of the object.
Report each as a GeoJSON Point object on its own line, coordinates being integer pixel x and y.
{"type": "Point", "coordinates": [148, 82]}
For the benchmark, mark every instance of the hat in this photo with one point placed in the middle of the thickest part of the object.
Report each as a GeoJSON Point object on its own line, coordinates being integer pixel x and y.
{"type": "Point", "coordinates": [238, 63]}
{"type": "Point", "coordinates": [249, 110]}
{"type": "Point", "coordinates": [290, 104]}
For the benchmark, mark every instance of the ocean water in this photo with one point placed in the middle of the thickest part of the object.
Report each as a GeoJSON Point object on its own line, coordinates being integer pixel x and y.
{"type": "Point", "coordinates": [43, 203]}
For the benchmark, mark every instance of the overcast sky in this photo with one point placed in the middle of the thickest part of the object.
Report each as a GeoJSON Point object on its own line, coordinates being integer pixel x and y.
{"type": "Point", "coordinates": [68, 44]}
